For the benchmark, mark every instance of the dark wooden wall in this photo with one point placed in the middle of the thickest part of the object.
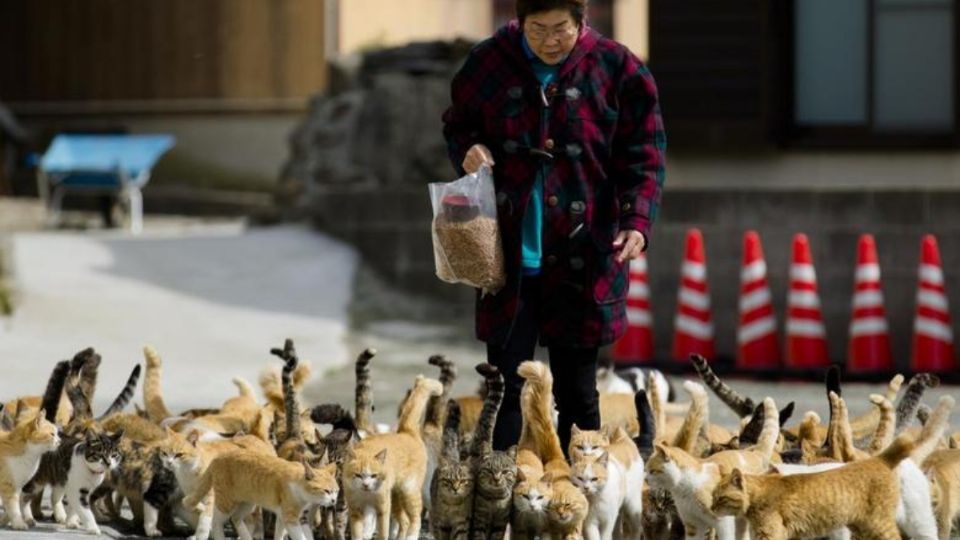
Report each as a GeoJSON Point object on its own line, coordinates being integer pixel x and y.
{"type": "Point", "coordinates": [150, 50]}
{"type": "Point", "coordinates": [712, 60]}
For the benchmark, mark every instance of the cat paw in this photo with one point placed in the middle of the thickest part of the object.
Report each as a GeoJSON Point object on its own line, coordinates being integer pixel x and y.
{"type": "Point", "coordinates": [30, 522]}
{"type": "Point", "coordinates": [19, 524]}
{"type": "Point", "coordinates": [73, 522]}
{"type": "Point", "coordinates": [153, 533]}
{"type": "Point", "coordinates": [59, 515]}
{"type": "Point", "coordinates": [93, 530]}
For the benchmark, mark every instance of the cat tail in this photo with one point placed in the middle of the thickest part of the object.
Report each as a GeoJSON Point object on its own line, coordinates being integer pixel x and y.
{"type": "Point", "coordinates": [696, 418]}
{"type": "Point", "coordinates": [809, 438]}
{"type": "Point", "coordinates": [865, 425]}
{"type": "Point", "coordinates": [899, 450]}
{"type": "Point", "coordinates": [81, 407]}
{"type": "Point", "coordinates": [291, 408]}
{"type": "Point", "coordinates": [767, 441]}
{"type": "Point", "coordinates": [741, 405]}
{"type": "Point", "coordinates": [363, 395]}
{"type": "Point", "coordinates": [204, 485]}
{"type": "Point", "coordinates": [933, 431]}
{"type": "Point", "coordinates": [244, 388]}
{"type": "Point", "coordinates": [907, 408]}
{"type": "Point", "coordinates": [86, 364]}
{"type": "Point", "coordinates": [411, 417]}
{"type": "Point", "coordinates": [648, 427]}
{"type": "Point", "coordinates": [125, 395]}
{"type": "Point", "coordinates": [536, 400]}
{"type": "Point", "coordinates": [482, 443]}
{"type": "Point", "coordinates": [157, 409]}
{"type": "Point", "coordinates": [885, 428]}
{"type": "Point", "coordinates": [50, 403]}
{"type": "Point", "coordinates": [656, 405]}
{"type": "Point", "coordinates": [263, 424]}
{"type": "Point", "coordinates": [436, 406]}
{"type": "Point", "coordinates": [451, 432]}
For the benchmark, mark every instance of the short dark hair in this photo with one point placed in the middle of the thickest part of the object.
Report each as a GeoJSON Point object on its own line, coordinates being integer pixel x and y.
{"type": "Point", "coordinates": [577, 8]}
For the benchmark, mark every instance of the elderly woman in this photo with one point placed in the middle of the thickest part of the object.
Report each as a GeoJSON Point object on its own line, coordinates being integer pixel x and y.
{"type": "Point", "coordinates": [570, 124]}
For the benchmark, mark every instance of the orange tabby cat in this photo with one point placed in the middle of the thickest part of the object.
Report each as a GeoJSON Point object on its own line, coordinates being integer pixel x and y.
{"type": "Point", "coordinates": [568, 508]}
{"type": "Point", "coordinates": [862, 496]}
{"type": "Point", "coordinates": [384, 473]}
{"type": "Point", "coordinates": [189, 458]}
{"type": "Point", "coordinates": [20, 453]}
{"type": "Point", "coordinates": [241, 480]}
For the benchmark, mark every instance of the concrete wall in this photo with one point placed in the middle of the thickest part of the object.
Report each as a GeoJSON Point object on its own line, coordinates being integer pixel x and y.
{"type": "Point", "coordinates": [833, 198]}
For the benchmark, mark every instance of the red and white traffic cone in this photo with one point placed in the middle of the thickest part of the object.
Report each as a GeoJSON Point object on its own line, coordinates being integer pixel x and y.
{"type": "Point", "coordinates": [806, 336]}
{"type": "Point", "coordinates": [932, 332]}
{"type": "Point", "coordinates": [757, 335]}
{"type": "Point", "coordinates": [636, 345]}
{"type": "Point", "coordinates": [869, 347]}
{"type": "Point", "coordinates": [693, 325]}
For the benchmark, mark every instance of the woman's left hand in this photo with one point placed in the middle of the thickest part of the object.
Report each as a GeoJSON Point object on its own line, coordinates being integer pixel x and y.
{"type": "Point", "coordinates": [630, 243]}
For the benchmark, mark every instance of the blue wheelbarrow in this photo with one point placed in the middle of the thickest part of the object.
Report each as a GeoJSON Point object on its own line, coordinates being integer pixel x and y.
{"type": "Point", "coordinates": [115, 165]}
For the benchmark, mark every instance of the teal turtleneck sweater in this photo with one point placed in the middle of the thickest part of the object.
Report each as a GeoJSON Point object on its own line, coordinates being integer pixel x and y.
{"type": "Point", "coordinates": [532, 249]}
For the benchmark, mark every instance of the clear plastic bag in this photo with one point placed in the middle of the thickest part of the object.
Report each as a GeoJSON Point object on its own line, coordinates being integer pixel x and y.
{"type": "Point", "coordinates": [466, 238]}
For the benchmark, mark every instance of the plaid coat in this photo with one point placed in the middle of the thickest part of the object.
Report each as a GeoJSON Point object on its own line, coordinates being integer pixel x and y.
{"type": "Point", "coordinates": [598, 133]}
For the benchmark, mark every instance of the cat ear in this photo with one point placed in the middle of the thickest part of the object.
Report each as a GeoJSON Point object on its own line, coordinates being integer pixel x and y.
{"type": "Point", "coordinates": [307, 471]}
{"type": "Point", "coordinates": [193, 437]}
{"type": "Point", "coordinates": [663, 451]}
{"type": "Point", "coordinates": [736, 479]}
{"type": "Point", "coordinates": [574, 430]}
{"type": "Point", "coordinates": [604, 459]}
{"type": "Point", "coordinates": [382, 456]}
{"type": "Point", "coordinates": [40, 416]}
{"type": "Point", "coordinates": [512, 452]}
{"type": "Point", "coordinates": [521, 476]}
{"type": "Point", "coordinates": [547, 477]}
{"type": "Point", "coordinates": [116, 436]}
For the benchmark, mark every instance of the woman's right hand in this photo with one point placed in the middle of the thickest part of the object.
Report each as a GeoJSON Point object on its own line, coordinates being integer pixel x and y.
{"type": "Point", "coordinates": [476, 157]}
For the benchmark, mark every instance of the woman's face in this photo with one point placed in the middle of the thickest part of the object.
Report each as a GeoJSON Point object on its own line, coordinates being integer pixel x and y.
{"type": "Point", "coordinates": [551, 34]}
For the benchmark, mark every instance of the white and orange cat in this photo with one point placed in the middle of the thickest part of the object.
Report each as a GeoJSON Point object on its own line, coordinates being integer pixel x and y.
{"type": "Point", "coordinates": [20, 453]}
{"type": "Point", "coordinates": [383, 474]}
{"type": "Point", "coordinates": [691, 481]}
{"type": "Point", "coordinates": [612, 481]}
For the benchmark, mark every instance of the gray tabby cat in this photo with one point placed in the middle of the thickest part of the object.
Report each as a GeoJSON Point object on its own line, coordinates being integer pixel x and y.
{"type": "Point", "coordinates": [363, 410]}
{"type": "Point", "coordinates": [451, 488]}
{"type": "Point", "coordinates": [494, 472]}
{"type": "Point", "coordinates": [339, 440]}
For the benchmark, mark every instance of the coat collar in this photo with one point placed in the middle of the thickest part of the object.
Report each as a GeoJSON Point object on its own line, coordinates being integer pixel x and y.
{"type": "Point", "coordinates": [510, 40]}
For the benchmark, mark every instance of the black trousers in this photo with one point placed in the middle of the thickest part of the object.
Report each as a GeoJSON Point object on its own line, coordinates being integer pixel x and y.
{"type": "Point", "coordinates": [574, 375]}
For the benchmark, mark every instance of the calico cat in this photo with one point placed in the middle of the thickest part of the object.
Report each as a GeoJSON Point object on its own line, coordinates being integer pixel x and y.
{"type": "Point", "coordinates": [75, 469]}
{"type": "Point", "coordinates": [494, 472]}
{"type": "Point", "coordinates": [20, 454]}
{"type": "Point", "coordinates": [242, 480]}
{"type": "Point", "coordinates": [861, 495]}
{"type": "Point", "coordinates": [539, 443]}
{"type": "Point", "coordinates": [613, 485]}
{"type": "Point", "coordinates": [383, 473]}
{"type": "Point", "coordinates": [452, 486]}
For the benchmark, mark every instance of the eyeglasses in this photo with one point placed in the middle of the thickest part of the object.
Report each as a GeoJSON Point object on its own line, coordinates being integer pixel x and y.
{"type": "Point", "coordinates": [539, 32]}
